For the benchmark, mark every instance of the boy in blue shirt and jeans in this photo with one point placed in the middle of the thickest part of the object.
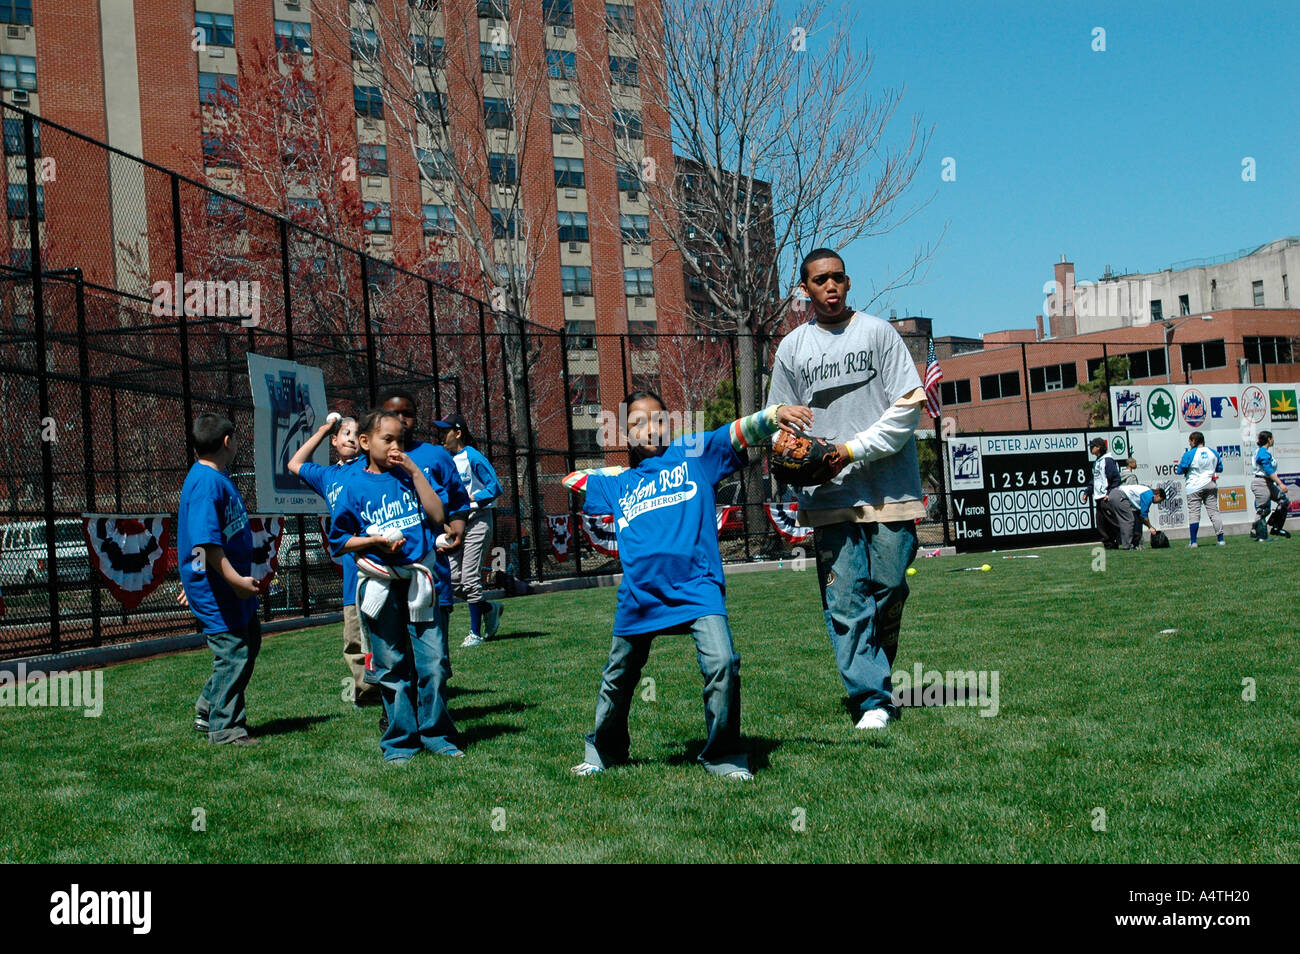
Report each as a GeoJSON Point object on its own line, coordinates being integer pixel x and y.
{"type": "Point", "coordinates": [215, 549]}
{"type": "Point", "coordinates": [665, 513]}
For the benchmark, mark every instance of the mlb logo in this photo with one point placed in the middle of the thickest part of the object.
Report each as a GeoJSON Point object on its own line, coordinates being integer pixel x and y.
{"type": "Point", "coordinates": [1128, 407]}
{"type": "Point", "coordinates": [1223, 408]}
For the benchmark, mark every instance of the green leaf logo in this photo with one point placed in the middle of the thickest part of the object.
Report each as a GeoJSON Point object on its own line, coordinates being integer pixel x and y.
{"type": "Point", "coordinates": [1160, 409]}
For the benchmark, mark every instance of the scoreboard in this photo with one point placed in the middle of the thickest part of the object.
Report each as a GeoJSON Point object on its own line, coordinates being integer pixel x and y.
{"type": "Point", "coordinates": [1024, 489]}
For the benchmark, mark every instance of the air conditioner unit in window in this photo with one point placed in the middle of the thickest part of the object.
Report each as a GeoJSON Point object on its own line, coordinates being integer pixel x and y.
{"type": "Point", "coordinates": [368, 123]}
{"type": "Point", "coordinates": [216, 52]}
{"type": "Point", "coordinates": [593, 408]}
{"type": "Point", "coordinates": [635, 249]}
{"type": "Point", "coordinates": [567, 140]}
{"type": "Point", "coordinates": [557, 31]}
{"type": "Point", "coordinates": [570, 193]}
{"type": "Point", "coordinates": [639, 302]}
{"type": "Point", "coordinates": [573, 246]}
{"type": "Point", "coordinates": [292, 4]}
{"type": "Point", "coordinates": [19, 96]}
{"type": "Point", "coordinates": [15, 32]}
{"type": "Point", "coordinates": [633, 196]}
{"type": "Point", "coordinates": [577, 299]}
{"type": "Point", "coordinates": [374, 182]}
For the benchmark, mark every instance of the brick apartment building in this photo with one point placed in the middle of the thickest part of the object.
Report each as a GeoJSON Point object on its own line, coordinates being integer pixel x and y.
{"type": "Point", "coordinates": [129, 73]}
{"type": "Point", "coordinates": [1208, 322]}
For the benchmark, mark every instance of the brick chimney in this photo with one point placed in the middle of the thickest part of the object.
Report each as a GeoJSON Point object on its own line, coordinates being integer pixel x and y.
{"type": "Point", "coordinates": [1061, 316]}
{"type": "Point", "coordinates": [1038, 322]}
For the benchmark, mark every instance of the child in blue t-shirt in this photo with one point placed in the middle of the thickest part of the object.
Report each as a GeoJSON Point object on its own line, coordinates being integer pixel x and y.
{"type": "Point", "coordinates": [328, 482]}
{"type": "Point", "coordinates": [215, 550]}
{"type": "Point", "coordinates": [388, 515]}
{"type": "Point", "coordinates": [1267, 488]}
{"type": "Point", "coordinates": [665, 520]}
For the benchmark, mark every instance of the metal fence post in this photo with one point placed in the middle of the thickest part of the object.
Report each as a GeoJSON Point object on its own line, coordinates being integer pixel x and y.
{"type": "Point", "coordinates": [372, 369]}
{"type": "Point", "coordinates": [433, 352]}
{"type": "Point", "coordinates": [89, 501]}
{"type": "Point", "coordinates": [942, 459]}
{"type": "Point", "coordinates": [510, 442]}
{"type": "Point", "coordinates": [533, 489]}
{"type": "Point", "coordinates": [735, 409]}
{"type": "Point", "coordinates": [288, 296]}
{"type": "Point", "coordinates": [483, 363]}
{"type": "Point", "coordinates": [1029, 411]}
{"type": "Point", "coordinates": [182, 328]}
{"type": "Point", "coordinates": [571, 459]}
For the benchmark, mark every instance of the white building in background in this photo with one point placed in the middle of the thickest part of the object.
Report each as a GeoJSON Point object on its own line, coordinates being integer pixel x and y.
{"type": "Point", "coordinates": [1260, 278]}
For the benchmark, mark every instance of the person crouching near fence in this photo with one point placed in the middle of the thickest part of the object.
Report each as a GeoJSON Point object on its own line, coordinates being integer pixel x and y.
{"type": "Point", "coordinates": [484, 488]}
{"type": "Point", "coordinates": [389, 516]}
{"type": "Point", "coordinates": [215, 549]}
{"type": "Point", "coordinates": [328, 482]}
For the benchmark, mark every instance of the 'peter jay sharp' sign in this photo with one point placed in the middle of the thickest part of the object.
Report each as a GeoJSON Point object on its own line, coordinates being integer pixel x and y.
{"type": "Point", "coordinates": [1024, 489]}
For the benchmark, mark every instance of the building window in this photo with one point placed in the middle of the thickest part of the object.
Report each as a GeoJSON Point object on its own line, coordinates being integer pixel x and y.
{"type": "Point", "coordinates": [1184, 305]}
{"type": "Point", "coordinates": [623, 71]}
{"type": "Point", "coordinates": [365, 44]}
{"type": "Point", "coordinates": [438, 220]}
{"type": "Point", "coordinates": [1199, 355]}
{"type": "Point", "coordinates": [1269, 349]}
{"type": "Point", "coordinates": [627, 124]}
{"type": "Point", "coordinates": [581, 335]}
{"type": "Point", "coordinates": [558, 12]}
{"type": "Point", "coordinates": [1142, 364]}
{"type": "Point", "coordinates": [566, 119]}
{"type": "Point", "coordinates": [497, 114]}
{"type": "Point", "coordinates": [576, 279]}
{"type": "Point", "coordinates": [955, 392]}
{"type": "Point", "coordinates": [218, 29]}
{"type": "Point", "coordinates": [584, 389]}
{"type": "Point", "coordinates": [562, 64]}
{"type": "Point", "coordinates": [216, 87]}
{"type": "Point", "coordinates": [573, 226]}
{"type": "Point", "coordinates": [369, 101]}
{"type": "Point", "coordinates": [434, 105]}
{"type": "Point", "coordinates": [636, 228]}
{"type": "Point", "coordinates": [427, 50]}
{"type": "Point", "coordinates": [620, 17]}
{"type": "Point", "coordinates": [494, 9]}
{"type": "Point", "coordinates": [569, 173]}
{"type": "Point", "coordinates": [1157, 310]}
{"type": "Point", "coordinates": [217, 152]}
{"type": "Point", "coordinates": [372, 159]}
{"type": "Point", "coordinates": [496, 58]}
{"type": "Point", "coordinates": [18, 201]}
{"type": "Point", "coordinates": [292, 35]}
{"type": "Point", "coordinates": [1053, 377]}
{"type": "Point", "coordinates": [629, 177]}
{"type": "Point", "coordinates": [16, 11]}
{"type": "Point", "coordinates": [434, 163]}
{"type": "Point", "coordinates": [642, 335]}
{"type": "Point", "coordinates": [1286, 288]}
{"type": "Point", "coordinates": [1257, 291]}
{"type": "Point", "coordinates": [995, 386]}
{"type": "Point", "coordinates": [638, 282]}
{"type": "Point", "coordinates": [505, 224]}
{"type": "Point", "coordinates": [501, 168]}
{"type": "Point", "coordinates": [378, 218]}
{"type": "Point", "coordinates": [16, 139]}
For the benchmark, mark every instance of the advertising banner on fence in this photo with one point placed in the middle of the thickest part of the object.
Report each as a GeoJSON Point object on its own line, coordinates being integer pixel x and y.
{"type": "Point", "coordinates": [1023, 489]}
{"type": "Point", "coordinates": [288, 404]}
{"type": "Point", "coordinates": [1230, 416]}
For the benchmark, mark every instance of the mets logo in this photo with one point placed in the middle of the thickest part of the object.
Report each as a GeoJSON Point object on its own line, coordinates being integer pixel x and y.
{"type": "Point", "coordinates": [1194, 407]}
{"type": "Point", "coordinates": [1253, 405]}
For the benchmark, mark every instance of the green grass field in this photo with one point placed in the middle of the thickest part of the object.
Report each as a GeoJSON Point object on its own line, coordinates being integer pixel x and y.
{"type": "Point", "coordinates": [1097, 710]}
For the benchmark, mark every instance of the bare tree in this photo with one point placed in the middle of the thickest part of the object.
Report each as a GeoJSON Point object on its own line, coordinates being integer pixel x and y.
{"type": "Point", "coordinates": [780, 145]}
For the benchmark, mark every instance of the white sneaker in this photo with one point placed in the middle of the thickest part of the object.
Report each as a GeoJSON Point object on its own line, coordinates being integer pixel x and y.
{"type": "Point", "coordinates": [586, 768]}
{"type": "Point", "coordinates": [874, 719]}
{"type": "Point", "coordinates": [1220, 544]}
{"type": "Point", "coordinates": [493, 621]}
{"type": "Point", "coordinates": [472, 640]}
{"type": "Point", "coordinates": [740, 775]}
{"type": "Point", "coordinates": [1193, 546]}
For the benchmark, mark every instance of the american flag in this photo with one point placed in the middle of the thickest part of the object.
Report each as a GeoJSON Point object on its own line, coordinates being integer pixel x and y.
{"type": "Point", "coordinates": [933, 375]}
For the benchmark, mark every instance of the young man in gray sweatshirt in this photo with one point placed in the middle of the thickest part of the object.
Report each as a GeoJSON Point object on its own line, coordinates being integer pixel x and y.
{"type": "Point", "coordinates": [855, 372]}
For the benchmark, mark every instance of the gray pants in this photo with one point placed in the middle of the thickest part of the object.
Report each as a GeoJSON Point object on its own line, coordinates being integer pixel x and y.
{"type": "Point", "coordinates": [1210, 497]}
{"type": "Point", "coordinates": [1126, 515]}
{"type": "Point", "coordinates": [467, 560]}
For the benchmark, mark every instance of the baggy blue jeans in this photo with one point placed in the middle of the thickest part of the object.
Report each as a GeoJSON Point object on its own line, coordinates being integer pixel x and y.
{"type": "Point", "coordinates": [413, 665]}
{"type": "Point", "coordinates": [609, 743]}
{"type": "Point", "coordinates": [221, 702]}
{"type": "Point", "coordinates": [862, 572]}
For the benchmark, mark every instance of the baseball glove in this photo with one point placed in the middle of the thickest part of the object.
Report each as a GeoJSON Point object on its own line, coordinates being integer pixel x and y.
{"type": "Point", "coordinates": [803, 461]}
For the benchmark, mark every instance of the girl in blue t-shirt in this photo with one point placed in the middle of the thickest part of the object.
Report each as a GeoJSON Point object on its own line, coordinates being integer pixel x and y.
{"type": "Point", "coordinates": [388, 515]}
{"type": "Point", "coordinates": [665, 519]}
{"type": "Point", "coordinates": [1268, 489]}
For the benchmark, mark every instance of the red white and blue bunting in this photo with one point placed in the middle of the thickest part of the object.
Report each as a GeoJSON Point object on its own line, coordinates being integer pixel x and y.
{"type": "Point", "coordinates": [129, 553]}
{"type": "Point", "coordinates": [783, 516]}
{"type": "Point", "coordinates": [267, 532]}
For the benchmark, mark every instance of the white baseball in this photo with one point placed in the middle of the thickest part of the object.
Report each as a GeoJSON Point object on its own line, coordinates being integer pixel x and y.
{"type": "Point", "coordinates": [333, 417]}
{"type": "Point", "coordinates": [441, 541]}
{"type": "Point", "coordinates": [393, 535]}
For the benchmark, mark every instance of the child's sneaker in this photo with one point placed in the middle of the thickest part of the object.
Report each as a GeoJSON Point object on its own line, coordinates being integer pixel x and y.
{"type": "Point", "coordinates": [1193, 546]}
{"type": "Point", "coordinates": [493, 621]}
{"type": "Point", "coordinates": [874, 719]}
{"type": "Point", "coordinates": [740, 775]}
{"type": "Point", "coordinates": [473, 640]}
{"type": "Point", "coordinates": [586, 768]}
{"type": "Point", "coordinates": [201, 724]}
{"type": "Point", "coordinates": [1221, 543]}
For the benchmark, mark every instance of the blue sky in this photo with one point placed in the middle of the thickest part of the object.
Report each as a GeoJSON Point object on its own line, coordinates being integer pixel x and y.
{"type": "Point", "coordinates": [1130, 157]}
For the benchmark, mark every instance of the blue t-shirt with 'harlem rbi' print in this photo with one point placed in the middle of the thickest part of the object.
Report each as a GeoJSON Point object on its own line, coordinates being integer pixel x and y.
{"type": "Point", "coordinates": [211, 512]}
{"type": "Point", "coordinates": [665, 518]}
{"type": "Point", "coordinates": [328, 482]}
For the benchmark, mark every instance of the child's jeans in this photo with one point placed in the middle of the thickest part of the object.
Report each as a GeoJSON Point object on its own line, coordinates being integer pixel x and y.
{"type": "Point", "coordinates": [221, 702]}
{"type": "Point", "coordinates": [413, 665]}
{"type": "Point", "coordinates": [719, 663]}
